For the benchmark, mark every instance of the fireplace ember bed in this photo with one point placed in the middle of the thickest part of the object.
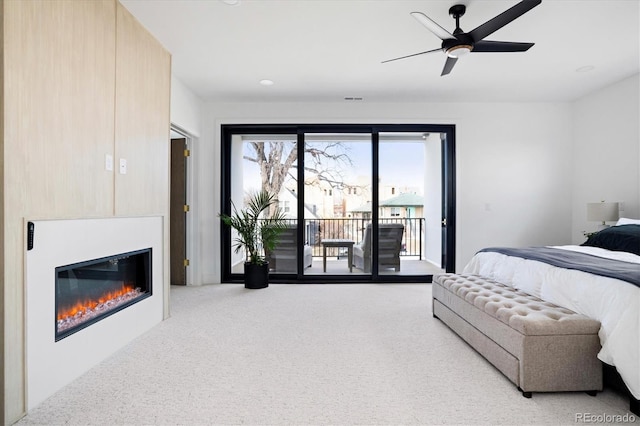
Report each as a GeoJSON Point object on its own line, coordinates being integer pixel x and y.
{"type": "Point", "coordinates": [90, 291]}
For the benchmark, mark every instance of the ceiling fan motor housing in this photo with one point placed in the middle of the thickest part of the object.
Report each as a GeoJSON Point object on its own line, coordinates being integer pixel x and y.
{"type": "Point", "coordinates": [455, 47]}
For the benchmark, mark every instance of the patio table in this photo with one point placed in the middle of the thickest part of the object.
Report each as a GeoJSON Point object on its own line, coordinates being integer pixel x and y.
{"type": "Point", "coordinates": [337, 243]}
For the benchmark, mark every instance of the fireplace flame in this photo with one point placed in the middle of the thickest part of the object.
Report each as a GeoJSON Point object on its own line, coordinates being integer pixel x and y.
{"type": "Point", "coordinates": [87, 305]}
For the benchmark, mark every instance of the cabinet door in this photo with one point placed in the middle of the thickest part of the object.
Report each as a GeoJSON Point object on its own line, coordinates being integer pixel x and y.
{"type": "Point", "coordinates": [143, 87]}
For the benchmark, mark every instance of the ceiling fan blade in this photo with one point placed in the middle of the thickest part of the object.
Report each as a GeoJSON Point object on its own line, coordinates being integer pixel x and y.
{"type": "Point", "coordinates": [448, 66]}
{"type": "Point", "coordinates": [432, 26]}
{"type": "Point", "coordinates": [501, 46]}
{"type": "Point", "coordinates": [415, 54]}
{"type": "Point", "coordinates": [503, 19]}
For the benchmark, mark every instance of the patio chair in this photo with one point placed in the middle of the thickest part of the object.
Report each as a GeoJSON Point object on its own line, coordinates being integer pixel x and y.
{"type": "Point", "coordinates": [389, 245]}
{"type": "Point", "coordinates": [284, 257]}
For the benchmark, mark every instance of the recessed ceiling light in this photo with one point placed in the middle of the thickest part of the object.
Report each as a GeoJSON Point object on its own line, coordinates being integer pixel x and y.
{"type": "Point", "coordinates": [266, 82]}
{"type": "Point", "coordinates": [231, 2]}
{"type": "Point", "coordinates": [585, 68]}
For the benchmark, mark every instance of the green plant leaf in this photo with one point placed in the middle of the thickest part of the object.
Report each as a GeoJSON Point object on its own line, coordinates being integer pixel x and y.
{"type": "Point", "coordinates": [256, 233]}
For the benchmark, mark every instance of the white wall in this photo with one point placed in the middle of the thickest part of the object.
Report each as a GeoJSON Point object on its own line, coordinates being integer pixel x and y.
{"type": "Point", "coordinates": [513, 178]}
{"type": "Point", "coordinates": [186, 108]}
{"type": "Point", "coordinates": [524, 171]}
{"type": "Point", "coordinates": [606, 152]}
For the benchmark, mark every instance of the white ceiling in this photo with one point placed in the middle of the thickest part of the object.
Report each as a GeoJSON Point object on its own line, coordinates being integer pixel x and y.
{"type": "Point", "coordinates": [326, 50]}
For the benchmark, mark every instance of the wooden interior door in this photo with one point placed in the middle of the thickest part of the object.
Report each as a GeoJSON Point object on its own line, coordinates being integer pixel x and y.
{"type": "Point", "coordinates": [178, 213]}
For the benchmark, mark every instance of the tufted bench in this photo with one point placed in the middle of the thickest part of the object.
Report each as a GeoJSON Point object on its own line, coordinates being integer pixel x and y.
{"type": "Point", "coordinates": [539, 346]}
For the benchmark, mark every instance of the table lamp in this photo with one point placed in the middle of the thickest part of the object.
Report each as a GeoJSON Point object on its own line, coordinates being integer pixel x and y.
{"type": "Point", "coordinates": [603, 212]}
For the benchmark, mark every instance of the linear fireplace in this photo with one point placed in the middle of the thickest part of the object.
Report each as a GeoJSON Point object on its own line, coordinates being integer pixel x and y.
{"type": "Point", "coordinates": [81, 249]}
{"type": "Point", "coordinates": [90, 291]}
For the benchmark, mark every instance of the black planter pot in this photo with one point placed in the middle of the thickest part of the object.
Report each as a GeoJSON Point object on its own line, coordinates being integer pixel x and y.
{"type": "Point", "coordinates": [256, 276]}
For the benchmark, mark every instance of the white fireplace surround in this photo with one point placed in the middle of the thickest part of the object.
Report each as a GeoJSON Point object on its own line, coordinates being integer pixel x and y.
{"type": "Point", "coordinates": [51, 365]}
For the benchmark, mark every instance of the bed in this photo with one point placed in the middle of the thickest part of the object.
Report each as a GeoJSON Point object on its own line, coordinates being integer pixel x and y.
{"type": "Point", "coordinates": [599, 279]}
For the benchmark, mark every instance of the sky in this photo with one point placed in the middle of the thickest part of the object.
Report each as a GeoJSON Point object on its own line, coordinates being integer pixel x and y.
{"type": "Point", "coordinates": [401, 163]}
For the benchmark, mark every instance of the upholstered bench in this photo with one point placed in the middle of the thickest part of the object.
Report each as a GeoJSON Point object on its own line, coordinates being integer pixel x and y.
{"type": "Point", "coordinates": [537, 345]}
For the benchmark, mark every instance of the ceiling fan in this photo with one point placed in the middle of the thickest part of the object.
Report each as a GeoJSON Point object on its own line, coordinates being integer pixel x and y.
{"type": "Point", "coordinates": [459, 43]}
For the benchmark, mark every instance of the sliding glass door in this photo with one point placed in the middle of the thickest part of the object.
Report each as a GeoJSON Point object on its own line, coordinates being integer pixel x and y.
{"type": "Point", "coordinates": [337, 201]}
{"type": "Point", "coordinates": [265, 162]}
{"type": "Point", "coordinates": [410, 203]}
{"type": "Point", "coordinates": [363, 203]}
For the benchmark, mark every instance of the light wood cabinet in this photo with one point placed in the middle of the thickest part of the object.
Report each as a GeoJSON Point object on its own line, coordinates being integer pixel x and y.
{"type": "Point", "coordinates": [142, 120]}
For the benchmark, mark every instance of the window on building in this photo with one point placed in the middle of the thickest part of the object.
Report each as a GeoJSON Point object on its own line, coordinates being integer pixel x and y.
{"type": "Point", "coordinates": [285, 206]}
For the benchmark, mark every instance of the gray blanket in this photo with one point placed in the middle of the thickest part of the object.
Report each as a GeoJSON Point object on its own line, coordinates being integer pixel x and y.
{"type": "Point", "coordinates": [625, 271]}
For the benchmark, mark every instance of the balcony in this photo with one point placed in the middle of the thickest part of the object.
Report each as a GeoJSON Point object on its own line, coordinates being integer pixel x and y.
{"type": "Point", "coordinates": [413, 258]}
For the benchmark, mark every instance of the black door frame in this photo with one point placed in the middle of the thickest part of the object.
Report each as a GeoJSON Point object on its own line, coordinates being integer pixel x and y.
{"type": "Point", "coordinates": [448, 194]}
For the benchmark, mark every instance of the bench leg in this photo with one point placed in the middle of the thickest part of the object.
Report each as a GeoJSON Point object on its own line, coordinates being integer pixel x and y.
{"type": "Point", "coordinates": [592, 392]}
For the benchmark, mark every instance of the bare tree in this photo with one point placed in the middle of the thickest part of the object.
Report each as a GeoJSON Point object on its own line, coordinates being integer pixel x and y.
{"type": "Point", "coordinates": [276, 160]}
{"type": "Point", "coordinates": [325, 162]}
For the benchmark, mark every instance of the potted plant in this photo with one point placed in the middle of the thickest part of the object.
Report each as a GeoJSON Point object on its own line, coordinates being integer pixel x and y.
{"type": "Point", "coordinates": [257, 232]}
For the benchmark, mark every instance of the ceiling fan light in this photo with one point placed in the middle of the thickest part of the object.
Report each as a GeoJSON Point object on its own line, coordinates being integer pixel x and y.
{"type": "Point", "coordinates": [459, 51]}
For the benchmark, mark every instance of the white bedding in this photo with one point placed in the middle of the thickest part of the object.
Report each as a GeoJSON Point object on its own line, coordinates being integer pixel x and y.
{"type": "Point", "coordinates": [615, 303]}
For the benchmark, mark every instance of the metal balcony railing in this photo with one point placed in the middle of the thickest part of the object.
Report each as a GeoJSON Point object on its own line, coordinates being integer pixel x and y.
{"type": "Point", "coordinates": [315, 230]}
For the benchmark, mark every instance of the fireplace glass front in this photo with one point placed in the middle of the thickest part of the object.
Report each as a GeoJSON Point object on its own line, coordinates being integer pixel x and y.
{"type": "Point", "coordinates": [90, 291]}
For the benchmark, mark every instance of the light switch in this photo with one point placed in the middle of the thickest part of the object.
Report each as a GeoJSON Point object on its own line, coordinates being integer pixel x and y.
{"type": "Point", "coordinates": [123, 166]}
{"type": "Point", "coordinates": [108, 162]}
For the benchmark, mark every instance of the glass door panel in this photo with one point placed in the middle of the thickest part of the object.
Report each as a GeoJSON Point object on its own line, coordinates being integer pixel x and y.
{"type": "Point", "coordinates": [409, 195]}
{"type": "Point", "coordinates": [337, 202]}
{"type": "Point", "coordinates": [267, 162]}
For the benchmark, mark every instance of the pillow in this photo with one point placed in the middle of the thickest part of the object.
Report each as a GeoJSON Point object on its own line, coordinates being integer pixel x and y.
{"type": "Point", "coordinates": [617, 238]}
{"type": "Point", "coordinates": [627, 221]}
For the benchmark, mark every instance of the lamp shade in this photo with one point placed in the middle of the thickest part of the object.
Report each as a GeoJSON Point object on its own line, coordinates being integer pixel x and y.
{"type": "Point", "coordinates": [602, 212]}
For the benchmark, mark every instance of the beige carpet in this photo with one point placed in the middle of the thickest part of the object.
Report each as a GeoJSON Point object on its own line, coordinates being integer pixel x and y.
{"type": "Point", "coordinates": [358, 354]}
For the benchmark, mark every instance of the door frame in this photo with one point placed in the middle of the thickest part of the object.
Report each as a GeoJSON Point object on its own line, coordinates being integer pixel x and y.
{"type": "Point", "coordinates": [448, 194]}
